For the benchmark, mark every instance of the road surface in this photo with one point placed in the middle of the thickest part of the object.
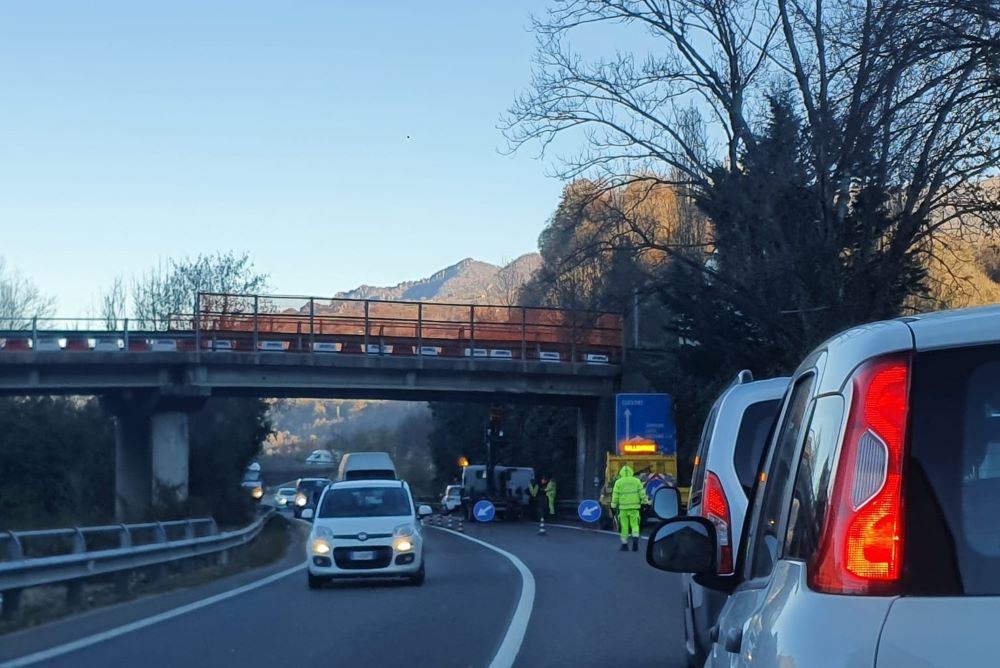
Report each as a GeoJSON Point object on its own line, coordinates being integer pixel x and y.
{"type": "Point", "coordinates": [592, 606]}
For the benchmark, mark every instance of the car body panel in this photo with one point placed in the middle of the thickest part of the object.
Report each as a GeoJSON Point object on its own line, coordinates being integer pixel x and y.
{"type": "Point", "coordinates": [786, 625]}
{"type": "Point", "coordinates": [939, 632]}
{"type": "Point", "coordinates": [949, 329]}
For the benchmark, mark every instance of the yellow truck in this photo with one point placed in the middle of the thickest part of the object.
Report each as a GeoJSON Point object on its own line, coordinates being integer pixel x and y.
{"type": "Point", "coordinates": [649, 468]}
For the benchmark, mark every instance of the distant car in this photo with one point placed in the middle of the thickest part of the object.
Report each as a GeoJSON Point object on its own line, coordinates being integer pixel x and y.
{"type": "Point", "coordinates": [452, 498]}
{"type": "Point", "coordinates": [366, 529]}
{"type": "Point", "coordinates": [320, 458]}
{"type": "Point", "coordinates": [872, 537]}
{"type": "Point", "coordinates": [252, 481]}
{"type": "Point", "coordinates": [732, 442]}
{"type": "Point", "coordinates": [307, 491]}
{"type": "Point", "coordinates": [284, 497]}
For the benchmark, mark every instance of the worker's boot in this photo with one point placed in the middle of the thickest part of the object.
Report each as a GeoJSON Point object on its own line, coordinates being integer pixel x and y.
{"type": "Point", "coordinates": [624, 547]}
{"type": "Point", "coordinates": [635, 544]}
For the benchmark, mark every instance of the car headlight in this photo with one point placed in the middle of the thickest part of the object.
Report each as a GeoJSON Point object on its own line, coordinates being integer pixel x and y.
{"type": "Point", "coordinates": [320, 547]}
{"type": "Point", "coordinates": [403, 530]}
{"type": "Point", "coordinates": [282, 501]}
{"type": "Point", "coordinates": [403, 545]}
{"type": "Point", "coordinates": [301, 500]}
{"type": "Point", "coordinates": [258, 492]}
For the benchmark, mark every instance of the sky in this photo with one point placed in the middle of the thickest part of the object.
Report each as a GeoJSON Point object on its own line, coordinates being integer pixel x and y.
{"type": "Point", "coordinates": [338, 143]}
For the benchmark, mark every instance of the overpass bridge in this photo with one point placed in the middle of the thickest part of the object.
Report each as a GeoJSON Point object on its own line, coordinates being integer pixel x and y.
{"type": "Point", "coordinates": [152, 374]}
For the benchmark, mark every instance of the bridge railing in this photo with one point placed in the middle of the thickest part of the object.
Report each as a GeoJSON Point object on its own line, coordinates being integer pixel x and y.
{"type": "Point", "coordinates": [72, 556]}
{"type": "Point", "coordinates": [258, 323]}
{"type": "Point", "coordinates": [409, 327]}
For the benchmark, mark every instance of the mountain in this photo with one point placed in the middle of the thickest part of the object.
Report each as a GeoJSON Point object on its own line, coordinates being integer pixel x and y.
{"type": "Point", "coordinates": [468, 281]}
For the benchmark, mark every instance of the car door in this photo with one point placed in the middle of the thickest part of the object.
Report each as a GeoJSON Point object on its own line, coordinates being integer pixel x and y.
{"type": "Point", "coordinates": [741, 636]}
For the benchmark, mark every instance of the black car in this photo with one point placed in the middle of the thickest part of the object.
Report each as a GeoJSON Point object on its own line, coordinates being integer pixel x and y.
{"type": "Point", "coordinates": [307, 493]}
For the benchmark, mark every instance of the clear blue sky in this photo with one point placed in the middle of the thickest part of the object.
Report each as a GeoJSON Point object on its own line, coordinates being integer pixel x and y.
{"type": "Point", "coordinates": [132, 131]}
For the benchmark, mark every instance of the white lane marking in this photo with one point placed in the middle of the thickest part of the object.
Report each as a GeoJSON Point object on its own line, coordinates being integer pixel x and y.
{"type": "Point", "coordinates": [81, 643]}
{"type": "Point", "coordinates": [570, 526]}
{"type": "Point", "coordinates": [518, 626]}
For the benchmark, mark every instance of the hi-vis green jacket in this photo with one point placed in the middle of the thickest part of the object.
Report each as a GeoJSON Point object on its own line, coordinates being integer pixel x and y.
{"type": "Point", "coordinates": [628, 492]}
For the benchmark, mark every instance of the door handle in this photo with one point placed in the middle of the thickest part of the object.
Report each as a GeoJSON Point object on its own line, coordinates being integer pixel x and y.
{"type": "Point", "coordinates": [734, 640]}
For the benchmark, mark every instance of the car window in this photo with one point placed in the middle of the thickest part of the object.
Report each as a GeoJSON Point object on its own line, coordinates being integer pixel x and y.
{"type": "Point", "coordinates": [817, 464]}
{"type": "Point", "coordinates": [365, 502]}
{"type": "Point", "coordinates": [762, 547]}
{"type": "Point", "coordinates": [698, 475]}
{"type": "Point", "coordinates": [755, 425]}
{"type": "Point", "coordinates": [952, 532]}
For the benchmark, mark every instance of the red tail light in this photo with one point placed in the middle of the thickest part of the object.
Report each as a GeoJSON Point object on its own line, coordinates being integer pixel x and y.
{"type": "Point", "coordinates": [716, 510]}
{"type": "Point", "coordinates": [861, 547]}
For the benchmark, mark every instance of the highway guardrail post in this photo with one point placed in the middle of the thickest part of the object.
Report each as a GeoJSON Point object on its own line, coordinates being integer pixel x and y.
{"type": "Point", "coordinates": [74, 589]}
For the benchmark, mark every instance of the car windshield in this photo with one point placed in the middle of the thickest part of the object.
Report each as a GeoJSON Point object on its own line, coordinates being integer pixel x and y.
{"type": "Point", "coordinates": [287, 491]}
{"type": "Point", "coordinates": [309, 485]}
{"type": "Point", "coordinates": [365, 502]}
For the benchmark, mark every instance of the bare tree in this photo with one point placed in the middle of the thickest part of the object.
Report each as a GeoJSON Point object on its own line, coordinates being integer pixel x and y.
{"type": "Point", "coordinates": [20, 300]}
{"type": "Point", "coordinates": [171, 289]}
{"type": "Point", "coordinates": [113, 304]}
{"type": "Point", "coordinates": [898, 96]}
{"type": "Point", "coordinates": [509, 282]}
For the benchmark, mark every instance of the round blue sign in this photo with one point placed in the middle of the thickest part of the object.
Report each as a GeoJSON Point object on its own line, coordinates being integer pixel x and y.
{"type": "Point", "coordinates": [653, 485]}
{"type": "Point", "coordinates": [483, 511]}
{"type": "Point", "coordinates": [589, 510]}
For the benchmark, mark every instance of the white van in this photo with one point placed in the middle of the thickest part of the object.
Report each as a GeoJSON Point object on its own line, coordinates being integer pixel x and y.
{"type": "Point", "coordinates": [366, 466]}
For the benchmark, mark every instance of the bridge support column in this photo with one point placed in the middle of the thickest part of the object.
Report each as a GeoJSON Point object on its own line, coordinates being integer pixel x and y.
{"type": "Point", "coordinates": [594, 438]}
{"type": "Point", "coordinates": [170, 448]}
{"type": "Point", "coordinates": [152, 445]}
{"type": "Point", "coordinates": [133, 466]}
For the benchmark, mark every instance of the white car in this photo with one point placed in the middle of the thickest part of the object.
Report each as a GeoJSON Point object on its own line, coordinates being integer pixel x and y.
{"type": "Point", "coordinates": [872, 537]}
{"type": "Point", "coordinates": [366, 529]}
{"type": "Point", "coordinates": [320, 458]}
{"type": "Point", "coordinates": [451, 499]}
{"type": "Point", "coordinates": [284, 497]}
{"type": "Point", "coordinates": [732, 442]}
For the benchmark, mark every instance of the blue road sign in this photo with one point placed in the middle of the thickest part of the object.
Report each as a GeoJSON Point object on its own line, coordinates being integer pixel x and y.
{"type": "Point", "coordinates": [483, 511]}
{"type": "Point", "coordinates": [589, 510]}
{"type": "Point", "coordinates": [652, 486]}
{"type": "Point", "coordinates": [647, 417]}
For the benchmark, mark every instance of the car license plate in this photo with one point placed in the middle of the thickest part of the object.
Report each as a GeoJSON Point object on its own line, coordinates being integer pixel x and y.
{"type": "Point", "coordinates": [362, 555]}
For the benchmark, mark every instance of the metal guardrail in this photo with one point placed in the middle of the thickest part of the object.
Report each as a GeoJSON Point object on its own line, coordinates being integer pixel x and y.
{"type": "Point", "coordinates": [138, 546]}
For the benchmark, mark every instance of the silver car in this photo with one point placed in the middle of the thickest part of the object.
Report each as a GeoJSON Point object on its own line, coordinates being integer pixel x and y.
{"type": "Point", "coordinates": [729, 453]}
{"type": "Point", "coordinates": [873, 536]}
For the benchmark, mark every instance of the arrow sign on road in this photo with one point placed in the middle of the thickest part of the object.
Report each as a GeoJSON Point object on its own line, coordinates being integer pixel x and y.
{"type": "Point", "coordinates": [589, 510]}
{"type": "Point", "coordinates": [484, 511]}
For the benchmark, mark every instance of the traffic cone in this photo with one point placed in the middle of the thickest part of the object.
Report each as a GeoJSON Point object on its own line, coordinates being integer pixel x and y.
{"type": "Point", "coordinates": [461, 525]}
{"type": "Point", "coordinates": [541, 526]}
{"type": "Point", "coordinates": [449, 521]}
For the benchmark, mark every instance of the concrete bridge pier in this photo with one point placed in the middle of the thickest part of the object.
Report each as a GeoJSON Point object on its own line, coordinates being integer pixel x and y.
{"type": "Point", "coordinates": [152, 444]}
{"type": "Point", "coordinates": [595, 434]}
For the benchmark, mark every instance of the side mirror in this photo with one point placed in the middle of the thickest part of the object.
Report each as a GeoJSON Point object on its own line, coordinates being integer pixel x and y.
{"type": "Point", "coordinates": [684, 545]}
{"type": "Point", "coordinates": [424, 510]}
{"type": "Point", "coordinates": [666, 503]}
{"type": "Point", "coordinates": [307, 514]}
